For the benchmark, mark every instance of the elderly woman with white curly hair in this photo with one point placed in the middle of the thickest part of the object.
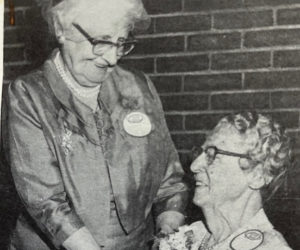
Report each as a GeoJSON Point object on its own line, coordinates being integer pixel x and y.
{"type": "Point", "coordinates": [243, 162]}
{"type": "Point", "coordinates": [89, 149]}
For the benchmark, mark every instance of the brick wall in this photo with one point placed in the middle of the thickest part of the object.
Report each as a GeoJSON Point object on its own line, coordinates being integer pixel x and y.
{"type": "Point", "coordinates": [207, 58]}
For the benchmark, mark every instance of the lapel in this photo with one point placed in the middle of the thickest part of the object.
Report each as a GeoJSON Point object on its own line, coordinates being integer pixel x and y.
{"type": "Point", "coordinates": [74, 113]}
{"type": "Point", "coordinates": [118, 149]}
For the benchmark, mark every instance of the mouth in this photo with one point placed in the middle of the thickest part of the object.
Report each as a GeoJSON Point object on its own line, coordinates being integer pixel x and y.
{"type": "Point", "coordinates": [100, 66]}
{"type": "Point", "coordinates": [200, 183]}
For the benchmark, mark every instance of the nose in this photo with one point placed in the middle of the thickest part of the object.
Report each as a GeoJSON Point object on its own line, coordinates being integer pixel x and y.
{"type": "Point", "coordinates": [199, 164]}
{"type": "Point", "coordinates": [110, 56]}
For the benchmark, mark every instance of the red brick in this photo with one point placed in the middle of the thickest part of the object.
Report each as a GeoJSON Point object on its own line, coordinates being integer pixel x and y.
{"type": "Point", "coordinates": [240, 101]}
{"type": "Point", "coordinates": [13, 54]}
{"type": "Point", "coordinates": [288, 16]}
{"type": "Point", "coordinates": [212, 82]}
{"type": "Point", "coordinates": [183, 23]}
{"type": "Point", "coordinates": [293, 179]}
{"type": "Point", "coordinates": [272, 80]}
{"type": "Point", "coordinates": [184, 102]}
{"type": "Point", "coordinates": [12, 72]}
{"type": "Point", "coordinates": [239, 60]}
{"type": "Point", "coordinates": [287, 208]}
{"type": "Point", "coordinates": [201, 5]}
{"type": "Point", "coordinates": [286, 99]}
{"type": "Point", "coordinates": [145, 64]}
{"type": "Point", "coordinates": [214, 42]}
{"type": "Point", "coordinates": [269, 2]}
{"type": "Point", "coordinates": [19, 3]}
{"type": "Point", "coordinates": [203, 121]}
{"type": "Point", "coordinates": [209, 121]}
{"type": "Point", "coordinates": [243, 19]}
{"type": "Point", "coordinates": [162, 6]}
{"type": "Point", "coordinates": [287, 58]}
{"type": "Point", "coordinates": [287, 119]}
{"type": "Point", "coordinates": [15, 35]}
{"type": "Point", "coordinates": [186, 160]}
{"type": "Point", "coordinates": [19, 18]}
{"type": "Point", "coordinates": [34, 17]}
{"type": "Point", "coordinates": [175, 122]}
{"type": "Point", "coordinates": [295, 137]}
{"type": "Point", "coordinates": [182, 63]}
{"type": "Point", "coordinates": [188, 141]}
{"type": "Point", "coordinates": [148, 30]}
{"type": "Point", "coordinates": [159, 45]}
{"type": "Point", "coordinates": [167, 84]}
{"type": "Point", "coordinates": [270, 38]}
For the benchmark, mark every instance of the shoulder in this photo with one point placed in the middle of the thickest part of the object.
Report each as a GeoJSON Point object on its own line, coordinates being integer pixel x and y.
{"type": "Point", "coordinates": [274, 240]}
{"type": "Point", "coordinates": [27, 83]}
{"type": "Point", "coordinates": [137, 78]}
{"type": "Point", "coordinates": [260, 239]}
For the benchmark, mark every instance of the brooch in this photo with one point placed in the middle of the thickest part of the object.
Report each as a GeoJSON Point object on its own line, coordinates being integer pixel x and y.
{"type": "Point", "coordinates": [66, 141]}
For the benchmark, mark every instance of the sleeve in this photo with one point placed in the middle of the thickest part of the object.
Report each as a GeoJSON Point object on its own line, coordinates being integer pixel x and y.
{"type": "Point", "coordinates": [173, 192]}
{"type": "Point", "coordinates": [35, 169]}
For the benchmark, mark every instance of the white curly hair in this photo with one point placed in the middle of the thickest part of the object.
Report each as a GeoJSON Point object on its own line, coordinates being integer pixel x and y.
{"type": "Point", "coordinates": [267, 143]}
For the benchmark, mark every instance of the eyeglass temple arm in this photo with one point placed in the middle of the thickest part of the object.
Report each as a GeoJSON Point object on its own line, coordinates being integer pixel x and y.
{"type": "Point", "coordinates": [92, 40]}
{"type": "Point", "coordinates": [233, 154]}
{"type": "Point", "coordinates": [83, 32]}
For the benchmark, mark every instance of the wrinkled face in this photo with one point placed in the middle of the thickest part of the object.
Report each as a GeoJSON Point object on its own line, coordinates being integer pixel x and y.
{"type": "Point", "coordinates": [86, 67]}
{"type": "Point", "coordinates": [223, 180]}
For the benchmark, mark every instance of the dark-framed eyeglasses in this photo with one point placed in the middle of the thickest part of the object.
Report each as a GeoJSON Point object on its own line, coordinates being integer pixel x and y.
{"type": "Point", "coordinates": [100, 47]}
{"type": "Point", "coordinates": [212, 151]}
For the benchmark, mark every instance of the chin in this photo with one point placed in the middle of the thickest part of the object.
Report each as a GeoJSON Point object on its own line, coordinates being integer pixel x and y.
{"type": "Point", "coordinates": [97, 74]}
{"type": "Point", "coordinates": [199, 202]}
{"type": "Point", "coordinates": [97, 78]}
{"type": "Point", "coordinates": [200, 199]}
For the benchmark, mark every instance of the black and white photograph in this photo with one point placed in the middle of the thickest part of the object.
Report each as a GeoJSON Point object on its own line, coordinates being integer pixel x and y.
{"type": "Point", "coordinates": [150, 125]}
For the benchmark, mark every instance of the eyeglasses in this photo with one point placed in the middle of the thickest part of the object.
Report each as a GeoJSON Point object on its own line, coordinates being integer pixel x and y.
{"type": "Point", "coordinates": [212, 151]}
{"type": "Point", "coordinates": [124, 46]}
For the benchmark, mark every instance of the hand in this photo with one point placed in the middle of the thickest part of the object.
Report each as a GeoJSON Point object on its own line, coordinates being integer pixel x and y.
{"type": "Point", "coordinates": [81, 240]}
{"type": "Point", "coordinates": [169, 222]}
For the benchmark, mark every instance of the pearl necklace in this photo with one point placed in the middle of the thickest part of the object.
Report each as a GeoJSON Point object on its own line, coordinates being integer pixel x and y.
{"type": "Point", "coordinates": [71, 83]}
{"type": "Point", "coordinates": [204, 242]}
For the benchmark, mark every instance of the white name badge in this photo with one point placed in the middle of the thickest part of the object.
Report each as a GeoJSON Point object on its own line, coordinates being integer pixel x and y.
{"type": "Point", "coordinates": [137, 124]}
{"type": "Point", "coordinates": [248, 240]}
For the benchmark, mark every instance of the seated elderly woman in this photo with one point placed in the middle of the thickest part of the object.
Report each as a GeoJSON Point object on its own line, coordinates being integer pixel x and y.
{"type": "Point", "coordinates": [243, 161]}
{"type": "Point", "coordinates": [89, 148]}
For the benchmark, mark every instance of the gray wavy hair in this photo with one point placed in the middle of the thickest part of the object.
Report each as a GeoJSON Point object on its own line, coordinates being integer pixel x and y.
{"type": "Point", "coordinates": [267, 143]}
{"type": "Point", "coordinates": [132, 11]}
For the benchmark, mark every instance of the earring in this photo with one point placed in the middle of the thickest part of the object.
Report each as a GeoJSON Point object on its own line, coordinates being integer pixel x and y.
{"type": "Point", "coordinates": [61, 39]}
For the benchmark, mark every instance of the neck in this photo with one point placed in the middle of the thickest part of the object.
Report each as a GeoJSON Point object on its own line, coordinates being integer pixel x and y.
{"type": "Point", "coordinates": [74, 86]}
{"type": "Point", "coordinates": [225, 219]}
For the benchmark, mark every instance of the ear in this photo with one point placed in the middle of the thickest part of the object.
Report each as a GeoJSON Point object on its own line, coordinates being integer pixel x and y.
{"type": "Point", "coordinates": [59, 30]}
{"type": "Point", "coordinates": [256, 178]}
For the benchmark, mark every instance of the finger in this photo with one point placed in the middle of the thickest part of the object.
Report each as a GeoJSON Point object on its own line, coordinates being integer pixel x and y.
{"type": "Point", "coordinates": [167, 229]}
{"type": "Point", "coordinates": [161, 234]}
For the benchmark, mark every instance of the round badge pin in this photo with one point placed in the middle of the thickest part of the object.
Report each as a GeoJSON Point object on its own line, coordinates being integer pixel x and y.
{"type": "Point", "coordinates": [248, 240]}
{"type": "Point", "coordinates": [137, 124]}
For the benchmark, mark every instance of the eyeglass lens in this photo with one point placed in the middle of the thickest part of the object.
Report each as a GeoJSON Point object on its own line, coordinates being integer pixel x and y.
{"type": "Point", "coordinates": [123, 49]}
